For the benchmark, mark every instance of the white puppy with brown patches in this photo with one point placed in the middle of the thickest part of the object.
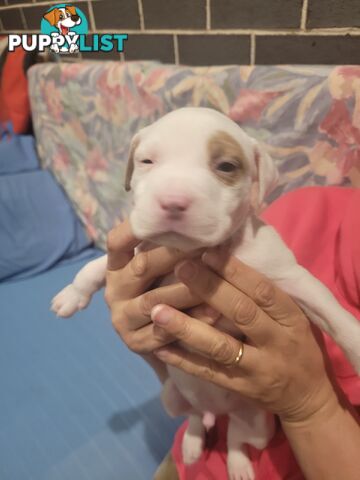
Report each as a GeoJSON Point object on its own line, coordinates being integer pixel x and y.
{"type": "Point", "coordinates": [197, 180]}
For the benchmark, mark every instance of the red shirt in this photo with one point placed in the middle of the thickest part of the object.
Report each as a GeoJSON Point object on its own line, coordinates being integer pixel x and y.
{"type": "Point", "coordinates": [321, 225]}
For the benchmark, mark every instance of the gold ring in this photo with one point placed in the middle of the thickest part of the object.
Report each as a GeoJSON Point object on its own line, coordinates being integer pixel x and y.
{"type": "Point", "coordinates": [239, 355]}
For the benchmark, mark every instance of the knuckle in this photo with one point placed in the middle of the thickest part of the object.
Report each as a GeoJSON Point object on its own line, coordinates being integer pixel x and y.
{"type": "Point", "coordinates": [208, 284]}
{"type": "Point", "coordinates": [118, 239]}
{"type": "Point", "coordinates": [119, 321]}
{"type": "Point", "coordinates": [264, 293]}
{"type": "Point", "coordinates": [276, 383]}
{"type": "Point", "coordinates": [131, 342]}
{"type": "Point", "coordinates": [139, 264]}
{"type": "Point", "coordinates": [184, 330]}
{"type": "Point", "coordinates": [232, 273]}
{"type": "Point", "coordinates": [112, 241]}
{"type": "Point", "coordinates": [108, 295]}
{"type": "Point", "coordinates": [244, 311]}
{"type": "Point", "coordinates": [222, 351]}
{"type": "Point", "coordinates": [116, 322]}
{"type": "Point", "coordinates": [111, 295]}
{"type": "Point", "coordinates": [207, 372]}
{"type": "Point", "coordinates": [303, 329]}
{"type": "Point", "coordinates": [147, 301]}
{"type": "Point", "coordinates": [180, 363]}
{"type": "Point", "coordinates": [160, 335]}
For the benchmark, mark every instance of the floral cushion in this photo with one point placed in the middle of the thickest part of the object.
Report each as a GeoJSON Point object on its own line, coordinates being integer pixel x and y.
{"type": "Point", "coordinates": [85, 115]}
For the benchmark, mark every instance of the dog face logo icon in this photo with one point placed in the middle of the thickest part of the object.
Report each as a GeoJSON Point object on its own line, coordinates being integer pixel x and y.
{"type": "Point", "coordinates": [63, 18]}
{"type": "Point", "coordinates": [64, 23]}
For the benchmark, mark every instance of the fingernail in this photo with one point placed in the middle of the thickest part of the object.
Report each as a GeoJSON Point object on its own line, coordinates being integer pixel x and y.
{"type": "Point", "coordinates": [161, 315]}
{"type": "Point", "coordinates": [185, 270]}
{"type": "Point", "coordinates": [210, 258]}
{"type": "Point", "coordinates": [212, 313]}
{"type": "Point", "coordinates": [162, 354]}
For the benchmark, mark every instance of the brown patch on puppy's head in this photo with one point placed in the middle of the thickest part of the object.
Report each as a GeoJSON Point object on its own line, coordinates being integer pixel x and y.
{"type": "Point", "coordinates": [226, 158]}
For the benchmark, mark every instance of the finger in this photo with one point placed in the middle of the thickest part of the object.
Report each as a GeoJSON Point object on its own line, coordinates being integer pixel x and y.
{"type": "Point", "coordinates": [147, 339]}
{"type": "Point", "coordinates": [205, 368]}
{"type": "Point", "coordinates": [202, 312]}
{"type": "Point", "coordinates": [229, 301]}
{"type": "Point", "coordinates": [121, 243]}
{"type": "Point", "coordinates": [265, 294]}
{"type": "Point", "coordinates": [205, 339]}
{"type": "Point", "coordinates": [136, 312]}
{"type": "Point", "coordinates": [138, 275]}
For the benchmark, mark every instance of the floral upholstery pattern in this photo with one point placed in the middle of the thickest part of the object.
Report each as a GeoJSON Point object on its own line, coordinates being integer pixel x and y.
{"type": "Point", "coordinates": [86, 113]}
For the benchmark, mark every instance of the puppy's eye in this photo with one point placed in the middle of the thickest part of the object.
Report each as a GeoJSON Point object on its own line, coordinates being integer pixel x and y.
{"type": "Point", "coordinates": [61, 17]}
{"type": "Point", "coordinates": [147, 161]}
{"type": "Point", "coordinates": [226, 167]}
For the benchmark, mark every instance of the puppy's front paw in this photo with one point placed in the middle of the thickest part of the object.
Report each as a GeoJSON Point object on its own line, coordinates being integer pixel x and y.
{"type": "Point", "coordinates": [192, 448]}
{"type": "Point", "coordinates": [69, 301]}
{"type": "Point", "coordinates": [239, 466]}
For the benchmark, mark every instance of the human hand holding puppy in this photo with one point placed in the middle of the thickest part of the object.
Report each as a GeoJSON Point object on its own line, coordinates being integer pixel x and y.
{"type": "Point", "coordinates": [127, 281]}
{"type": "Point", "coordinates": [282, 368]}
{"type": "Point", "coordinates": [274, 370]}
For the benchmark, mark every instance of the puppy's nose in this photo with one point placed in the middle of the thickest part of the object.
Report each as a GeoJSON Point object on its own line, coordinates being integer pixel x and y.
{"type": "Point", "coordinates": [75, 18]}
{"type": "Point", "coordinates": [175, 204]}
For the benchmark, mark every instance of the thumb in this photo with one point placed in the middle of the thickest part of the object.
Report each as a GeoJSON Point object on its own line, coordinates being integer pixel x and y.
{"type": "Point", "coordinates": [120, 245]}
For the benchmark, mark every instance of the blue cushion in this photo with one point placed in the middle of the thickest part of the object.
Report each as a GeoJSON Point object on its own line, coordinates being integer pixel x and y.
{"type": "Point", "coordinates": [37, 225]}
{"type": "Point", "coordinates": [18, 154]}
{"type": "Point", "coordinates": [75, 403]}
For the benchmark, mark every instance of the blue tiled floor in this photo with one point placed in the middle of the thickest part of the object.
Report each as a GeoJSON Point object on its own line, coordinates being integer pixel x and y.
{"type": "Point", "coordinates": [75, 404]}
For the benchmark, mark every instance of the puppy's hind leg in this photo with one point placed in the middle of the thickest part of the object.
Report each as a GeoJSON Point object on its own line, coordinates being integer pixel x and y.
{"type": "Point", "coordinates": [193, 440]}
{"type": "Point", "coordinates": [248, 426]}
{"type": "Point", "coordinates": [324, 311]}
{"type": "Point", "coordinates": [238, 462]}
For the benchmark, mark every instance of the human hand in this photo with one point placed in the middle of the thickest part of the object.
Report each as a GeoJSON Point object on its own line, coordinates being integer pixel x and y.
{"type": "Point", "coordinates": [127, 281]}
{"type": "Point", "coordinates": [283, 368]}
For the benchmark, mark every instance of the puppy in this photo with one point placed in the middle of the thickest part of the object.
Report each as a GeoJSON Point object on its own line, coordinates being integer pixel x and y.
{"type": "Point", "coordinates": [198, 180]}
{"type": "Point", "coordinates": [64, 19]}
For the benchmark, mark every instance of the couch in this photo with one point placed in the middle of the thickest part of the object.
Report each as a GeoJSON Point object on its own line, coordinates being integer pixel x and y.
{"type": "Point", "coordinates": [75, 403]}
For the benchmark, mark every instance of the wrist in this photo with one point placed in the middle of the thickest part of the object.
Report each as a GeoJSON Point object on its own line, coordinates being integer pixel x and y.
{"type": "Point", "coordinates": [318, 406]}
{"type": "Point", "coordinates": [325, 442]}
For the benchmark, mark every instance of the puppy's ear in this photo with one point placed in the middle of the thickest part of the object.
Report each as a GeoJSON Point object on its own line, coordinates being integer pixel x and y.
{"type": "Point", "coordinates": [51, 16]}
{"type": "Point", "coordinates": [71, 9]}
{"type": "Point", "coordinates": [266, 176]}
{"type": "Point", "coordinates": [130, 164]}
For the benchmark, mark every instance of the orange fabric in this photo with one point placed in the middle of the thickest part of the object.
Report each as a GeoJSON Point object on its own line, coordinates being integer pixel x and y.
{"type": "Point", "coordinates": [14, 98]}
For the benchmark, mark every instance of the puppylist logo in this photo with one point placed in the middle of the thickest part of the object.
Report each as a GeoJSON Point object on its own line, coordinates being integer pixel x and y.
{"type": "Point", "coordinates": [64, 29]}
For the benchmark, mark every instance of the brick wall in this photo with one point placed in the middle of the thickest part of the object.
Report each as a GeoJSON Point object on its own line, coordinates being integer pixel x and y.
{"type": "Point", "coordinates": [208, 32]}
